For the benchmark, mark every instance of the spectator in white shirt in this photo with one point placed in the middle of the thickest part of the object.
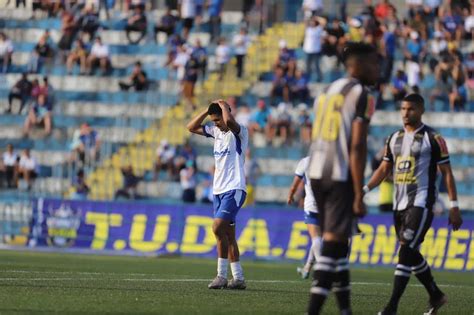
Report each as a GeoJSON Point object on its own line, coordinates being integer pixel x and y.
{"type": "Point", "coordinates": [188, 14]}
{"type": "Point", "coordinates": [222, 57]}
{"type": "Point", "coordinates": [243, 115]}
{"type": "Point", "coordinates": [179, 62]}
{"type": "Point", "coordinates": [99, 55]}
{"type": "Point", "coordinates": [28, 168]}
{"type": "Point", "coordinates": [312, 47]}
{"type": "Point", "coordinates": [241, 42]}
{"type": "Point", "coordinates": [413, 71]}
{"type": "Point", "coordinates": [312, 8]}
{"type": "Point", "coordinates": [165, 155]}
{"type": "Point", "coordinates": [10, 166]}
{"type": "Point", "coordinates": [6, 51]}
{"type": "Point", "coordinates": [469, 25]}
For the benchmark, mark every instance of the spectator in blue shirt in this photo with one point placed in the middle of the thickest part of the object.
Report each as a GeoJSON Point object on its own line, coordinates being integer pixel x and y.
{"type": "Point", "coordinates": [389, 41]}
{"type": "Point", "coordinates": [414, 50]}
{"type": "Point", "coordinates": [260, 122]}
{"type": "Point", "coordinates": [399, 86]}
{"type": "Point", "coordinates": [199, 53]}
{"type": "Point", "coordinates": [89, 146]}
{"type": "Point", "coordinates": [286, 58]}
{"type": "Point", "coordinates": [299, 87]}
{"type": "Point", "coordinates": [215, 10]}
{"type": "Point", "coordinates": [453, 23]}
{"type": "Point", "coordinates": [167, 25]}
{"type": "Point", "coordinates": [280, 86]}
{"type": "Point", "coordinates": [39, 114]}
{"type": "Point", "coordinates": [174, 41]}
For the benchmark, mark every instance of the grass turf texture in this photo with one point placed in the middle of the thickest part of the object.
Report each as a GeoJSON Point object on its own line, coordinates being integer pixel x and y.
{"type": "Point", "coordinates": [60, 283]}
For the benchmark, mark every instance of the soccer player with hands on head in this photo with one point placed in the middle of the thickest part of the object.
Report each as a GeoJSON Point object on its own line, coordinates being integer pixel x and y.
{"type": "Point", "coordinates": [229, 187]}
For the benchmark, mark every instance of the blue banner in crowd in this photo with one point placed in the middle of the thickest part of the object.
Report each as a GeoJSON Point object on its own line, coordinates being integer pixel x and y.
{"type": "Point", "coordinates": [262, 233]}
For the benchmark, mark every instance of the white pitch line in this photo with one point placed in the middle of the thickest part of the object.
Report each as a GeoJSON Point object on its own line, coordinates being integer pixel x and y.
{"type": "Point", "coordinates": [206, 280]}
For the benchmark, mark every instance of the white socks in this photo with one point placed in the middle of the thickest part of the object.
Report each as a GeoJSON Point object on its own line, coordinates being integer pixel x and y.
{"type": "Point", "coordinates": [316, 246]}
{"type": "Point", "coordinates": [314, 252]}
{"type": "Point", "coordinates": [236, 268]}
{"type": "Point", "coordinates": [222, 267]}
{"type": "Point", "coordinates": [237, 271]}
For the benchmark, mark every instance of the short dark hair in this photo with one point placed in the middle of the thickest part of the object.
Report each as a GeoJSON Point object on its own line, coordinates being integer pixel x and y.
{"type": "Point", "coordinates": [353, 49]}
{"type": "Point", "coordinates": [214, 109]}
{"type": "Point", "coordinates": [415, 98]}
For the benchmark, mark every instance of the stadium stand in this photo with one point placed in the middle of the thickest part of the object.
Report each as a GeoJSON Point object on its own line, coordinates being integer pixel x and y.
{"type": "Point", "coordinates": [132, 124]}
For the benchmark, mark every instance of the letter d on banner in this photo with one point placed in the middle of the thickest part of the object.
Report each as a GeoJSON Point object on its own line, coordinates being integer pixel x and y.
{"type": "Point", "coordinates": [190, 243]}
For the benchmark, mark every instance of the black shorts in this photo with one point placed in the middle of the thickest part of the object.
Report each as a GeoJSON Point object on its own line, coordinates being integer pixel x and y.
{"type": "Point", "coordinates": [335, 201]}
{"type": "Point", "coordinates": [412, 224]}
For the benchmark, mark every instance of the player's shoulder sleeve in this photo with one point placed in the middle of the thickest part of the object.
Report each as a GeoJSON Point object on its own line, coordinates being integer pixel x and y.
{"type": "Point", "coordinates": [243, 134]}
{"type": "Point", "coordinates": [242, 139]}
{"type": "Point", "coordinates": [388, 154]}
{"type": "Point", "coordinates": [301, 167]}
{"type": "Point", "coordinates": [209, 131]}
{"type": "Point", "coordinates": [365, 105]}
{"type": "Point", "coordinates": [439, 148]}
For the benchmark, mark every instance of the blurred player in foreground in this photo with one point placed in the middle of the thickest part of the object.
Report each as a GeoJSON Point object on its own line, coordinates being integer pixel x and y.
{"type": "Point", "coordinates": [338, 158]}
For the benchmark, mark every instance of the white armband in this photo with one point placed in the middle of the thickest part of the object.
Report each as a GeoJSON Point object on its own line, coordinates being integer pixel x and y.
{"type": "Point", "coordinates": [366, 189]}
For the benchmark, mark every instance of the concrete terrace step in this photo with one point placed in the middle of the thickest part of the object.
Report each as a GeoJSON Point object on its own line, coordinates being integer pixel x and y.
{"type": "Point", "coordinates": [109, 37]}
{"type": "Point", "coordinates": [121, 61]}
{"type": "Point", "coordinates": [61, 137]}
{"type": "Point", "coordinates": [63, 121]}
{"type": "Point", "coordinates": [83, 83]}
{"type": "Point", "coordinates": [164, 99]}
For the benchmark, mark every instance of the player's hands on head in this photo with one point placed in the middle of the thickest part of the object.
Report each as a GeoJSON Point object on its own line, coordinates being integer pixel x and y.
{"type": "Point", "coordinates": [359, 208]}
{"type": "Point", "coordinates": [222, 104]}
{"type": "Point", "coordinates": [455, 218]}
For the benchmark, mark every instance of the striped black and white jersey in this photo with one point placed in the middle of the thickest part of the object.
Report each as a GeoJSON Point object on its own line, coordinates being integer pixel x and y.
{"type": "Point", "coordinates": [415, 157]}
{"type": "Point", "coordinates": [342, 102]}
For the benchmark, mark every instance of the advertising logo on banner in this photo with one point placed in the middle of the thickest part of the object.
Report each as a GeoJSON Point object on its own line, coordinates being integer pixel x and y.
{"type": "Point", "coordinates": [263, 233]}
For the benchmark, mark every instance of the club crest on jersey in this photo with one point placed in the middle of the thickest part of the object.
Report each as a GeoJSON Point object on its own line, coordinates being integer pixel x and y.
{"type": "Point", "coordinates": [416, 147]}
{"type": "Point", "coordinates": [408, 234]}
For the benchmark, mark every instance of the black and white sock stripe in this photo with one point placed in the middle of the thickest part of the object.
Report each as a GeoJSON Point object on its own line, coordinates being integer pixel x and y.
{"type": "Point", "coordinates": [420, 268]}
{"type": "Point", "coordinates": [324, 263]}
{"type": "Point", "coordinates": [403, 271]}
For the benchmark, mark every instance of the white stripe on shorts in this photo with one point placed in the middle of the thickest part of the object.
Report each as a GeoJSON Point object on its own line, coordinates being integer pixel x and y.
{"type": "Point", "coordinates": [420, 228]}
{"type": "Point", "coordinates": [238, 197]}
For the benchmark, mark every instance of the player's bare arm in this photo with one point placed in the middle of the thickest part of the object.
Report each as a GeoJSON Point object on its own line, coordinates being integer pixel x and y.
{"type": "Point", "coordinates": [229, 120]}
{"type": "Point", "coordinates": [195, 125]}
{"type": "Point", "coordinates": [294, 186]}
{"type": "Point", "coordinates": [380, 174]}
{"type": "Point", "coordinates": [357, 158]}
{"type": "Point", "coordinates": [455, 218]}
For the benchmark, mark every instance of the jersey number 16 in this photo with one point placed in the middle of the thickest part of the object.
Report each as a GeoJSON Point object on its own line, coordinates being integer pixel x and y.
{"type": "Point", "coordinates": [328, 117]}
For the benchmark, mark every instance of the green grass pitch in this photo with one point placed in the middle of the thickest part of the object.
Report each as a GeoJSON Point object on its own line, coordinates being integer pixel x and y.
{"type": "Point", "coordinates": [80, 284]}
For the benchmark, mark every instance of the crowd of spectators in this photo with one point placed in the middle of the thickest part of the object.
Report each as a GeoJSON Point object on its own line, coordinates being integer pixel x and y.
{"type": "Point", "coordinates": [40, 99]}
{"type": "Point", "coordinates": [18, 170]}
{"type": "Point", "coordinates": [430, 39]}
